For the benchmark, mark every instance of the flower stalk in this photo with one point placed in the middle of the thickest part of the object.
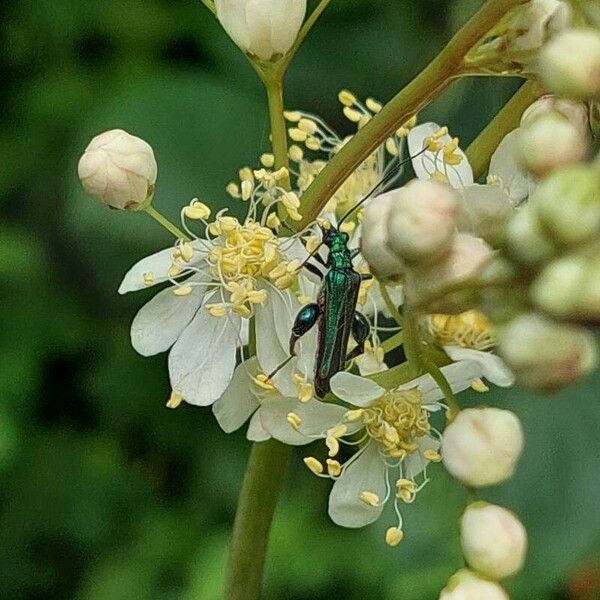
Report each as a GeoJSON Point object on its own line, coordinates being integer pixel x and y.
{"type": "Point", "coordinates": [162, 220]}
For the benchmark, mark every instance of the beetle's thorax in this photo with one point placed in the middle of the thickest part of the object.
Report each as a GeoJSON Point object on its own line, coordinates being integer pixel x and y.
{"type": "Point", "coordinates": [339, 253]}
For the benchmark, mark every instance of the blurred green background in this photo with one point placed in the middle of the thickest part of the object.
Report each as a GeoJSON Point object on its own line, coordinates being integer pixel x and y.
{"type": "Point", "coordinates": [104, 493]}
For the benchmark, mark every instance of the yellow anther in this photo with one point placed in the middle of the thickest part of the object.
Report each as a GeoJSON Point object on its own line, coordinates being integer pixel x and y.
{"type": "Point", "coordinates": [323, 223]}
{"type": "Point", "coordinates": [411, 122]}
{"type": "Point", "coordinates": [217, 310]}
{"type": "Point", "coordinates": [174, 400]}
{"type": "Point", "coordinates": [294, 420]}
{"type": "Point", "coordinates": [338, 431]}
{"type": "Point", "coordinates": [373, 105]}
{"type": "Point", "coordinates": [352, 114]}
{"type": "Point", "coordinates": [292, 116]}
{"type": "Point", "coordinates": [442, 131]}
{"type": "Point", "coordinates": [293, 265]}
{"type": "Point", "coordinates": [297, 135]}
{"type": "Point", "coordinates": [354, 415]}
{"type": "Point", "coordinates": [174, 270]}
{"type": "Point", "coordinates": [228, 224]}
{"type": "Point", "coordinates": [242, 310]}
{"type": "Point", "coordinates": [406, 484]}
{"type": "Point", "coordinates": [370, 498]}
{"type": "Point", "coordinates": [393, 536]}
{"type": "Point", "coordinates": [291, 200]}
{"type": "Point", "coordinates": [183, 290]}
{"type": "Point", "coordinates": [333, 445]}
{"type": "Point", "coordinates": [257, 296]}
{"type": "Point", "coordinates": [267, 160]}
{"type": "Point", "coordinates": [347, 98]}
{"type": "Point", "coordinates": [364, 119]}
{"type": "Point", "coordinates": [148, 278]}
{"type": "Point", "coordinates": [334, 468]}
{"type": "Point", "coordinates": [263, 381]}
{"type": "Point", "coordinates": [247, 187]}
{"type": "Point", "coordinates": [432, 145]}
{"type": "Point", "coordinates": [304, 299]}
{"type": "Point", "coordinates": [293, 213]}
{"type": "Point", "coordinates": [312, 243]}
{"type": "Point", "coordinates": [246, 174]}
{"type": "Point", "coordinates": [295, 153]}
{"type": "Point", "coordinates": [348, 227]}
{"type": "Point", "coordinates": [273, 221]}
{"type": "Point", "coordinates": [312, 143]}
{"type": "Point", "coordinates": [391, 147]}
{"type": "Point", "coordinates": [432, 455]}
{"type": "Point", "coordinates": [313, 464]}
{"type": "Point", "coordinates": [439, 177]}
{"type": "Point", "coordinates": [407, 496]}
{"type": "Point", "coordinates": [308, 125]}
{"type": "Point", "coordinates": [187, 251]}
{"type": "Point", "coordinates": [479, 386]}
{"type": "Point", "coordinates": [233, 189]}
{"type": "Point", "coordinates": [197, 210]}
{"type": "Point", "coordinates": [282, 173]}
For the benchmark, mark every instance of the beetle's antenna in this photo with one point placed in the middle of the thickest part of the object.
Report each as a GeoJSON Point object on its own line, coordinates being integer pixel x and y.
{"type": "Point", "coordinates": [380, 185]}
{"type": "Point", "coordinates": [283, 364]}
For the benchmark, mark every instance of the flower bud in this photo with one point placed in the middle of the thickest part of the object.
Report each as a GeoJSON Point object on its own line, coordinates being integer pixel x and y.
{"type": "Point", "coordinates": [575, 112]}
{"type": "Point", "coordinates": [494, 541]}
{"type": "Point", "coordinates": [262, 28]}
{"type": "Point", "coordinates": [549, 141]}
{"type": "Point", "coordinates": [569, 64]}
{"type": "Point", "coordinates": [535, 21]}
{"type": "Point", "coordinates": [374, 235]}
{"type": "Point", "coordinates": [546, 355]}
{"type": "Point", "coordinates": [567, 203]}
{"type": "Point", "coordinates": [118, 169]}
{"type": "Point", "coordinates": [481, 446]}
{"type": "Point", "coordinates": [422, 221]}
{"type": "Point", "coordinates": [526, 239]}
{"type": "Point", "coordinates": [466, 585]}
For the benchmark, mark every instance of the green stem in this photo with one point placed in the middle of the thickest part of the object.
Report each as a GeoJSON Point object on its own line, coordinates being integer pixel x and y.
{"type": "Point", "coordinates": [390, 305]}
{"type": "Point", "coordinates": [258, 499]}
{"type": "Point", "coordinates": [170, 227]}
{"type": "Point", "coordinates": [416, 95]}
{"type": "Point", "coordinates": [412, 342]}
{"type": "Point", "coordinates": [274, 87]}
{"type": "Point", "coordinates": [480, 151]}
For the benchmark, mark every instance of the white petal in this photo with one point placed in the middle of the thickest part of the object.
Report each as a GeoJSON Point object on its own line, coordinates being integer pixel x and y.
{"type": "Point", "coordinates": [160, 321]}
{"type": "Point", "coordinates": [415, 462]}
{"type": "Point", "coordinates": [366, 474]}
{"type": "Point", "coordinates": [355, 390]}
{"type": "Point", "coordinates": [238, 402]}
{"type": "Point", "coordinates": [256, 432]}
{"type": "Point", "coordinates": [504, 164]}
{"type": "Point", "coordinates": [202, 360]}
{"type": "Point", "coordinates": [315, 419]}
{"type": "Point", "coordinates": [491, 365]}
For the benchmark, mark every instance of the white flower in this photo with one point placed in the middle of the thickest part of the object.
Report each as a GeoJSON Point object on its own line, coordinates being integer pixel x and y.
{"type": "Point", "coordinates": [262, 28]}
{"type": "Point", "coordinates": [481, 446]}
{"type": "Point", "coordinates": [494, 541]}
{"type": "Point", "coordinates": [466, 585]}
{"type": "Point", "coordinates": [118, 169]}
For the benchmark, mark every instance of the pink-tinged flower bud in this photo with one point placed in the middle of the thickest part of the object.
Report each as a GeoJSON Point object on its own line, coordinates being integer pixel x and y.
{"type": "Point", "coordinates": [576, 112]}
{"type": "Point", "coordinates": [118, 169]}
{"type": "Point", "coordinates": [466, 585]}
{"type": "Point", "coordinates": [481, 446]}
{"type": "Point", "coordinates": [549, 141]}
{"type": "Point", "coordinates": [569, 64]}
{"type": "Point", "coordinates": [374, 236]}
{"type": "Point", "coordinates": [422, 221]}
{"type": "Point", "coordinates": [545, 355]}
{"type": "Point", "coordinates": [494, 541]}
{"type": "Point", "coordinates": [262, 28]}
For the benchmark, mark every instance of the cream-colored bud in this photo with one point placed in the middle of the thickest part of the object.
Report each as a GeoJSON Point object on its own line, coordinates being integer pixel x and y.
{"type": "Point", "coordinates": [550, 141]}
{"type": "Point", "coordinates": [374, 236]}
{"type": "Point", "coordinates": [569, 64]}
{"type": "Point", "coordinates": [466, 585]}
{"type": "Point", "coordinates": [567, 203]}
{"type": "Point", "coordinates": [526, 239]}
{"type": "Point", "coordinates": [262, 28]}
{"type": "Point", "coordinates": [422, 221]}
{"type": "Point", "coordinates": [534, 22]}
{"type": "Point", "coordinates": [494, 541]}
{"type": "Point", "coordinates": [481, 446]}
{"type": "Point", "coordinates": [576, 112]}
{"type": "Point", "coordinates": [118, 169]}
{"type": "Point", "coordinates": [546, 355]}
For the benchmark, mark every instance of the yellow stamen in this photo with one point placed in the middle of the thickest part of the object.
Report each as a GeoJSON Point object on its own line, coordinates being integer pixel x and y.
{"type": "Point", "coordinates": [393, 536]}
{"type": "Point", "coordinates": [334, 468]}
{"type": "Point", "coordinates": [370, 498]}
{"type": "Point", "coordinates": [313, 464]}
{"type": "Point", "coordinates": [294, 420]}
{"type": "Point", "coordinates": [174, 400]}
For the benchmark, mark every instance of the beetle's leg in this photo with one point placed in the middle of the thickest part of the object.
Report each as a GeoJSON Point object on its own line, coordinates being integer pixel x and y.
{"type": "Point", "coordinates": [366, 276]}
{"type": "Point", "coordinates": [360, 332]}
{"type": "Point", "coordinates": [354, 253]}
{"type": "Point", "coordinates": [313, 269]}
{"type": "Point", "coordinates": [305, 319]}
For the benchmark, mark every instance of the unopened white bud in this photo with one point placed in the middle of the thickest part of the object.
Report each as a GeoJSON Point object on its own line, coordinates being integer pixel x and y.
{"type": "Point", "coordinates": [494, 541]}
{"type": "Point", "coordinates": [576, 112]}
{"type": "Point", "coordinates": [567, 203]}
{"type": "Point", "coordinates": [526, 239]}
{"type": "Point", "coordinates": [262, 28]}
{"type": "Point", "coordinates": [374, 236]}
{"type": "Point", "coordinates": [550, 141]}
{"type": "Point", "coordinates": [118, 169]}
{"type": "Point", "coordinates": [546, 355]}
{"type": "Point", "coordinates": [481, 446]}
{"type": "Point", "coordinates": [422, 221]}
{"type": "Point", "coordinates": [466, 585]}
{"type": "Point", "coordinates": [569, 64]}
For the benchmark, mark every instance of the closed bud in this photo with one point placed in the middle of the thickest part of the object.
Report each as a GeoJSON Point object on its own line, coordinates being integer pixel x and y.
{"type": "Point", "coordinates": [481, 446]}
{"type": "Point", "coordinates": [567, 203]}
{"type": "Point", "coordinates": [119, 169]}
{"type": "Point", "coordinates": [526, 239]}
{"type": "Point", "coordinates": [549, 141]}
{"type": "Point", "coordinates": [422, 221]}
{"type": "Point", "coordinates": [374, 236]}
{"type": "Point", "coordinates": [546, 355]}
{"type": "Point", "coordinates": [466, 585]}
{"type": "Point", "coordinates": [569, 64]}
{"type": "Point", "coordinates": [494, 541]}
{"type": "Point", "coordinates": [262, 28]}
{"type": "Point", "coordinates": [576, 112]}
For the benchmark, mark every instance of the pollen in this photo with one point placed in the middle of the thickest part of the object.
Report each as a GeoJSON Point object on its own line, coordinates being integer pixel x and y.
{"type": "Point", "coordinates": [471, 329]}
{"type": "Point", "coordinates": [370, 498]}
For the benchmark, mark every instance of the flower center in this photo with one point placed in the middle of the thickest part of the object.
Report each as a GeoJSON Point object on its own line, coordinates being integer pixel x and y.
{"type": "Point", "coordinates": [471, 329]}
{"type": "Point", "coordinates": [396, 421]}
